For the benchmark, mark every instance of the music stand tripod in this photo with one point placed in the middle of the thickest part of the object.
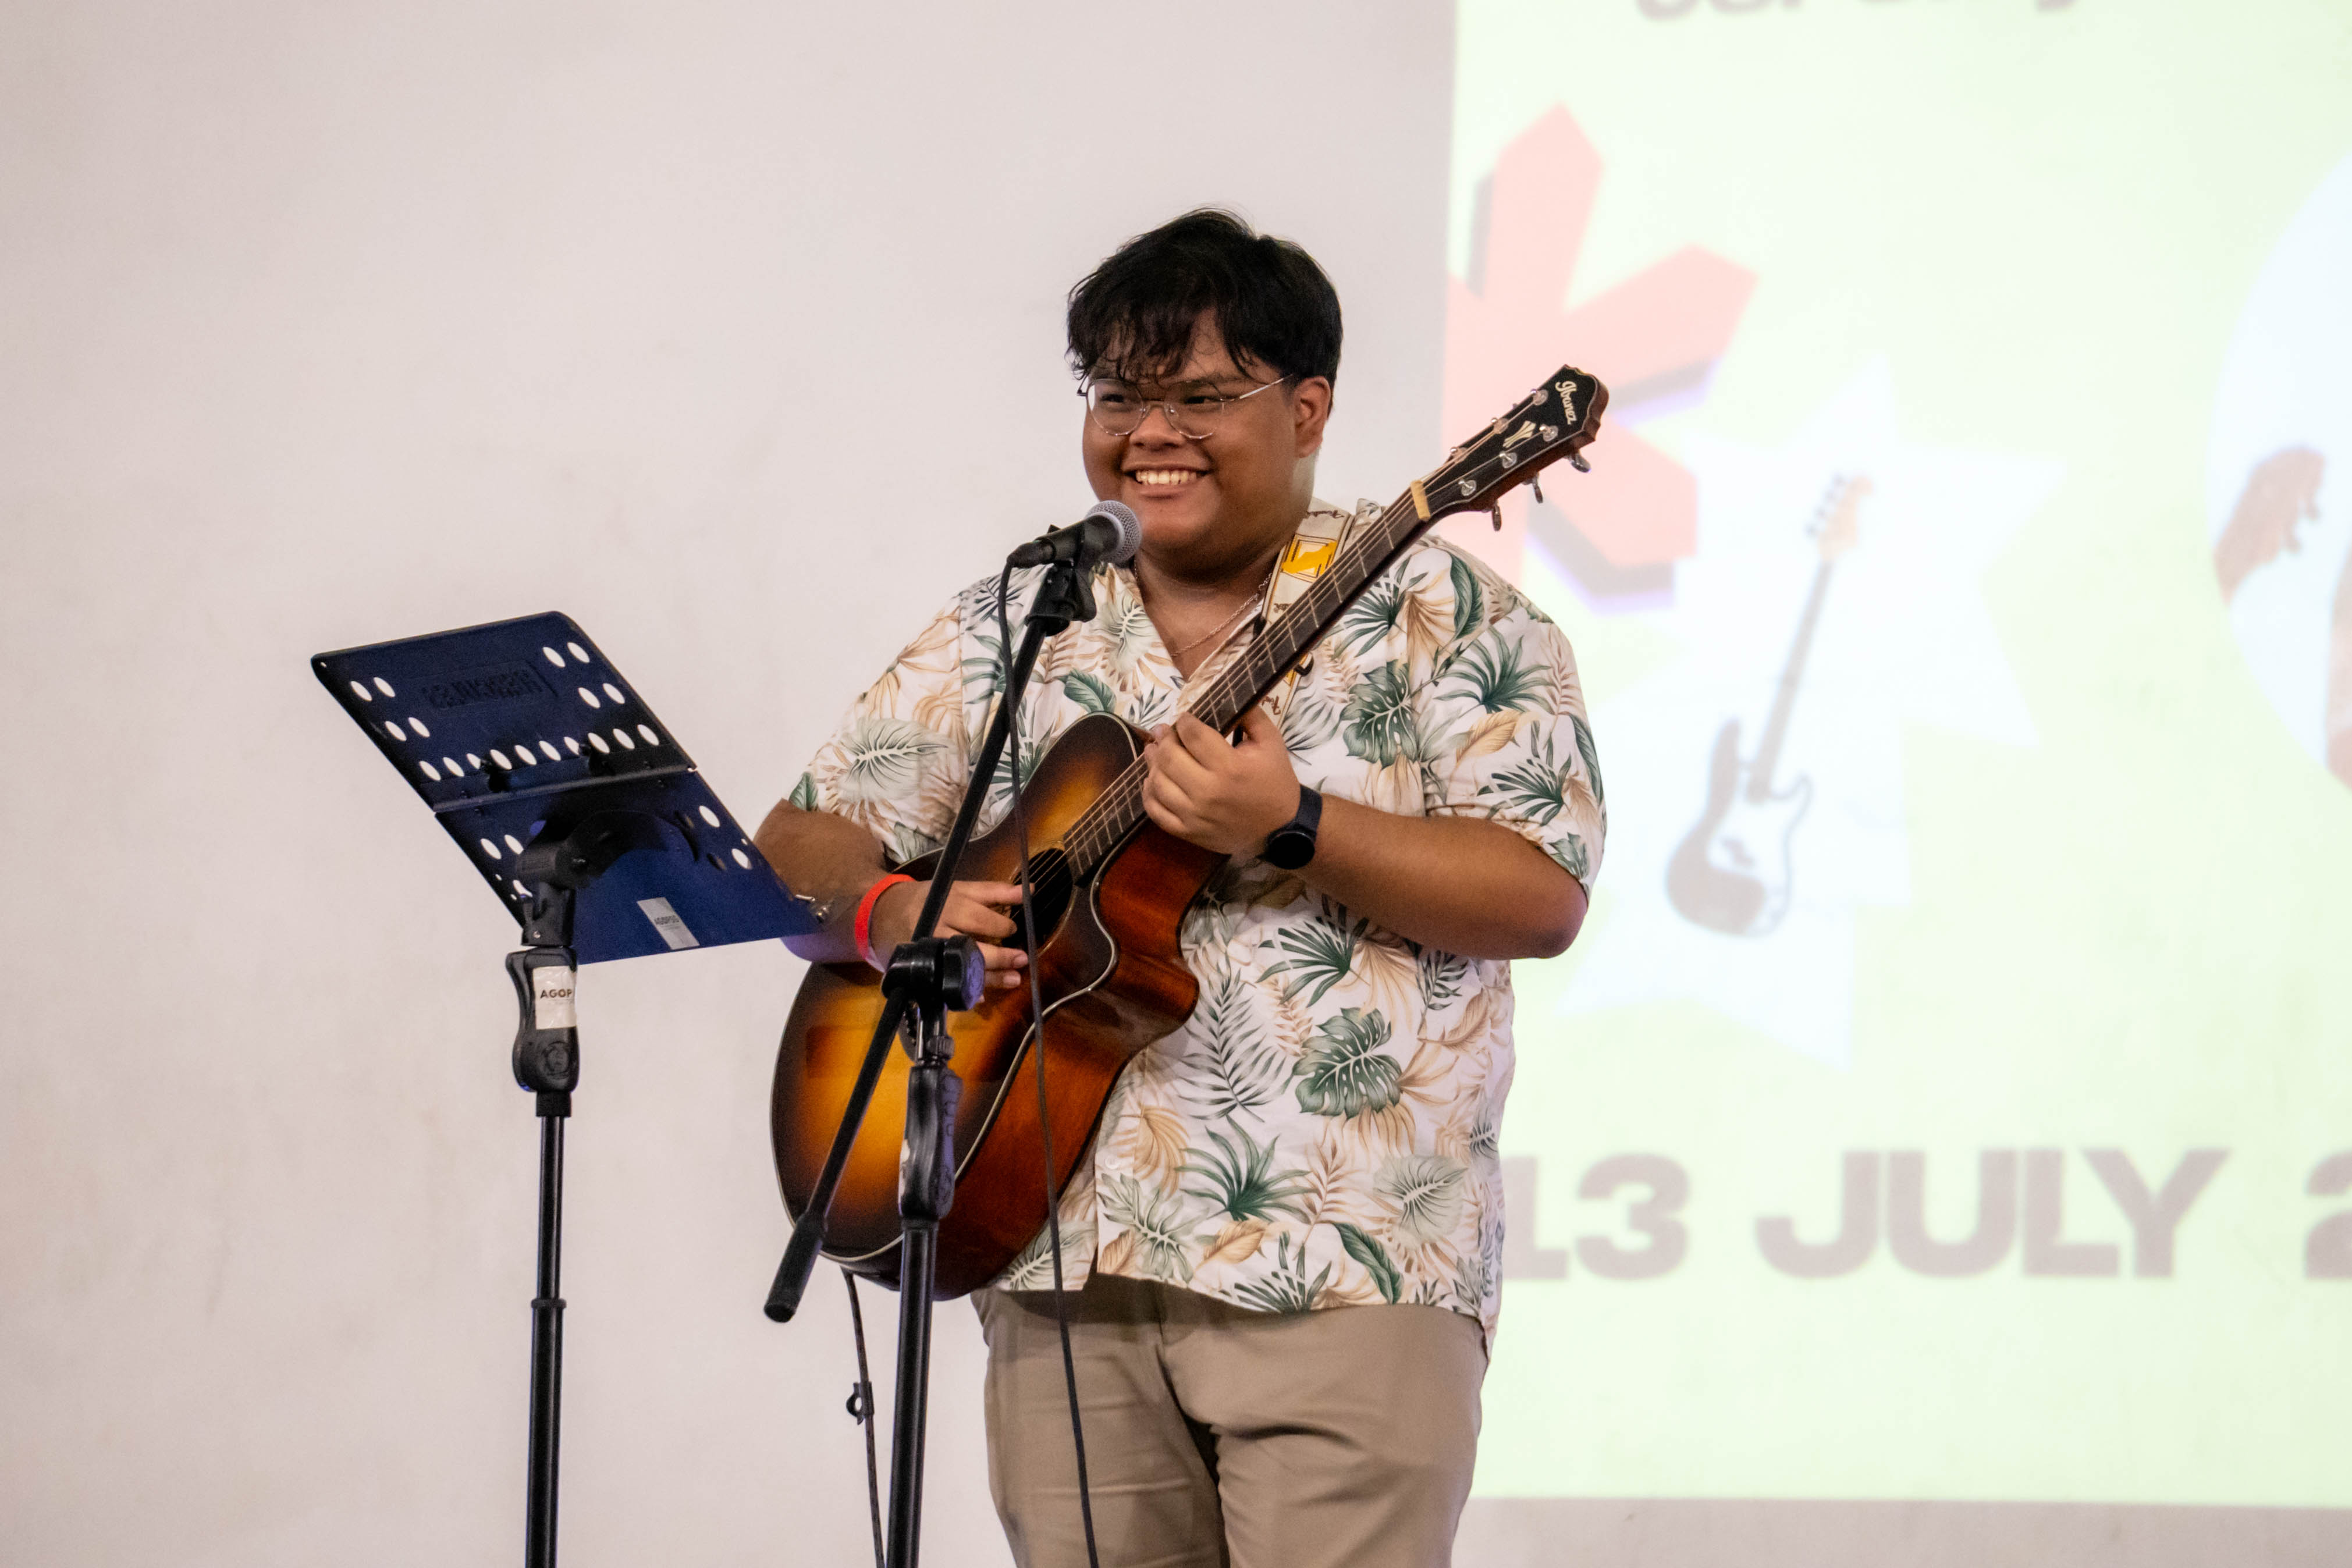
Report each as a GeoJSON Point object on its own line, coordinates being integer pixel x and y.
{"type": "Point", "coordinates": [925, 976]}
{"type": "Point", "coordinates": [595, 830]}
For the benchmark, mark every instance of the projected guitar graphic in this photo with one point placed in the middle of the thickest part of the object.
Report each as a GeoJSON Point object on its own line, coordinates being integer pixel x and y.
{"type": "Point", "coordinates": [1731, 872]}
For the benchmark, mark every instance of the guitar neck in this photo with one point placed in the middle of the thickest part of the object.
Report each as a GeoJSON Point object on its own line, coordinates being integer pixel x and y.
{"type": "Point", "coordinates": [1784, 701]}
{"type": "Point", "coordinates": [1281, 645]}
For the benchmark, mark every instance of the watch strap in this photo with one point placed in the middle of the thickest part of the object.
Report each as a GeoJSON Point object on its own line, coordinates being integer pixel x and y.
{"type": "Point", "coordinates": [1291, 845]}
{"type": "Point", "coordinates": [1309, 820]}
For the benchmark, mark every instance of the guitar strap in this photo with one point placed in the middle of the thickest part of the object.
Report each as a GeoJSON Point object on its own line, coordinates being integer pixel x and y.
{"type": "Point", "coordinates": [1309, 556]}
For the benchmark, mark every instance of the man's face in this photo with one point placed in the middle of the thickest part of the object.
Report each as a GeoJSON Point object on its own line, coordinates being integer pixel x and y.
{"type": "Point", "coordinates": [1213, 504]}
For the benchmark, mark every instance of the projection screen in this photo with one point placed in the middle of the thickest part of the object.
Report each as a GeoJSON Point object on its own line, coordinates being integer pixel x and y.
{"type": "Point", "coordinates": [1946, 1101]}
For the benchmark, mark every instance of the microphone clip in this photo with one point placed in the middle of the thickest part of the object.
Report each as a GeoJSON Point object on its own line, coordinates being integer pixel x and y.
{"type": "Point", "coordinates": [1066, 597]}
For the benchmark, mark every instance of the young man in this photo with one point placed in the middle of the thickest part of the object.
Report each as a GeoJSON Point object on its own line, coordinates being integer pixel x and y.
{"type": "Point", "coordinates": [1289, 1229]}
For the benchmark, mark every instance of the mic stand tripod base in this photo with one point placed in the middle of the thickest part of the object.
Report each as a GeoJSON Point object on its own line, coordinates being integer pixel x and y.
{"type": "Point", "coordinates": [931, 975]}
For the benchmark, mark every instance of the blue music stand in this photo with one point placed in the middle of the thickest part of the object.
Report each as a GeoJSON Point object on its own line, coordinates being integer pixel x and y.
{"type": "Point", "coordinates": [588, 820]}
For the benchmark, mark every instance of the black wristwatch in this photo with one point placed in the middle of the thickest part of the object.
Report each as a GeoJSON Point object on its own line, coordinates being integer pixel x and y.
{"type": "Point", "coordinates": [1291, 845]}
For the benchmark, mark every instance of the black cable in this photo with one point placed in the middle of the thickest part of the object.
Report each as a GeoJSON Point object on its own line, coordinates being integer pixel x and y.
{"type": "Point", "coordinates": [1037, 1050]}
{"type": "Point", "coordinates": [861, 1409]}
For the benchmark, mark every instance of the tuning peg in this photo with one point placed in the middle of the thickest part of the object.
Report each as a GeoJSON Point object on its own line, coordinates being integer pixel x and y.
{"type": "Point", "coordinates": [1495, 512]}
{"type": "Point", "coordinates": [1534, 482]}
{"type": "Point", "coordinates": [1576, 461]}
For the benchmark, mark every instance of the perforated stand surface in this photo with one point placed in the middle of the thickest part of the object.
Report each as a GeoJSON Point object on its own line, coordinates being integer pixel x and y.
{"type": "Point", "coordinates": [522, 727]}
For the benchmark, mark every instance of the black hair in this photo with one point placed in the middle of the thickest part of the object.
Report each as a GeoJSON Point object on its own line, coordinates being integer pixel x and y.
{"type": "Point", "coordinates": [1133, 317]}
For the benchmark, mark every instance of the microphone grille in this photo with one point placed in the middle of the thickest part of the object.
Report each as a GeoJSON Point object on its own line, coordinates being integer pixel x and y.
{"type": "Point", "coordinates": [1131, 530]}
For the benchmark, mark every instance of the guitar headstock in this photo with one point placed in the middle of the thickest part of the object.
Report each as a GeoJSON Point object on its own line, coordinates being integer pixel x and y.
{"type": "Point", "coordinates": [1556, 420]}
{"type": "Point", "coordinates": [1836, 521]}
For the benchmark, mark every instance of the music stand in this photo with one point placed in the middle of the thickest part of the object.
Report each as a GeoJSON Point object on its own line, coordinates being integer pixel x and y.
{"type": "Point", "coordinates": [589, 822]}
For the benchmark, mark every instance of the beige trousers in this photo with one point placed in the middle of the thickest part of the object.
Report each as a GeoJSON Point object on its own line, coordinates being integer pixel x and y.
{"type": "Point", "coordinates": [1221, 1437]}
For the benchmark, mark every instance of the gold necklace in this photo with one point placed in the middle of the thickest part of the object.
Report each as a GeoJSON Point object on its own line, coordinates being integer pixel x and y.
{"type": "Point", "coordinates": [1225, 626]}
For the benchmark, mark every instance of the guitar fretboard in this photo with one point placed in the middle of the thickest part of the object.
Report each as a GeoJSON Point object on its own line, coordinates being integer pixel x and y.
{"type": "Point", "coordinates": [1280, 646]}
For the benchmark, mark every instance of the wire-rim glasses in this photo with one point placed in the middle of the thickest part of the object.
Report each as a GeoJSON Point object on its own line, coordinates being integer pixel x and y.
{"type": "Point", "coordinates": [1195, 412]}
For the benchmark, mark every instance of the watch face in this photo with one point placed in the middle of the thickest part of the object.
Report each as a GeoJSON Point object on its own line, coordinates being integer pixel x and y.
{"type": "Point", "coordinates": [1288, 848]}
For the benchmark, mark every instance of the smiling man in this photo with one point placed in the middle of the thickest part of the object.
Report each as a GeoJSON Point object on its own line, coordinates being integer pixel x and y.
{"type": "Point", "coordinates": [1285, 1242]}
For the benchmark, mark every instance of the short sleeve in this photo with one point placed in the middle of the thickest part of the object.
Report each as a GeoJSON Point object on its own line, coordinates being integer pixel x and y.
{"type": "Point", "coordinates": [896, 764]}
{"type": "Point", "coordinates": [1503, 728]}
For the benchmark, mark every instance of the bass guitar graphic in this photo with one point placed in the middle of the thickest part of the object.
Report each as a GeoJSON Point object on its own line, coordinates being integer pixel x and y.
{"type": "Point", "coordinates": [1731, 872]}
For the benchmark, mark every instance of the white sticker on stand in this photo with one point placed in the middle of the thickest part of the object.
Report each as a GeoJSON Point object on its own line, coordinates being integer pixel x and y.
{"type": "Point", "coordinates": [665, 921]}
{"type": "Point", "coordinates": [551, 998]}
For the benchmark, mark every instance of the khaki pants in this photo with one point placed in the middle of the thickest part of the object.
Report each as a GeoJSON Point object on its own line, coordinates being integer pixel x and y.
{"type": "Point", "coordinates": [1217, 1435]}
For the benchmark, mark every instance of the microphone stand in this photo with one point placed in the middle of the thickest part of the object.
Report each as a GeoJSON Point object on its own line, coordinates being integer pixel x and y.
{"type": "Point", "coordinates": [916, 976]}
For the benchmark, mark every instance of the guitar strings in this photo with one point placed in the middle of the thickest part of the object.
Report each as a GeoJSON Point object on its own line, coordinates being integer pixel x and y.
{"type": "Point", "coordinates": [1101, 826]}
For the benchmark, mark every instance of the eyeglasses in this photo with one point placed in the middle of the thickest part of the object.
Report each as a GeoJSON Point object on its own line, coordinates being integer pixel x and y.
{"type": "Point", "coordinates": [1195, 412]}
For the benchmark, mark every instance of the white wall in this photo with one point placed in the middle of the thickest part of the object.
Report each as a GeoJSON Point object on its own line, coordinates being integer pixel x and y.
{"type": "Point", "coordinates": [732, 330]}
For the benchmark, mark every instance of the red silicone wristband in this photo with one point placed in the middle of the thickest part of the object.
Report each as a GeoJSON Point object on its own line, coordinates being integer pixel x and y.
{"type": "Point", "coordinates": [861, 930]}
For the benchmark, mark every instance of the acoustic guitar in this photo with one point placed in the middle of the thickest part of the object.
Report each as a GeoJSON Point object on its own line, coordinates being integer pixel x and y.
{"type": "Point", "coordinates": [1109, 890]}
{"type": "Point", "coordinates": [1732, 872]}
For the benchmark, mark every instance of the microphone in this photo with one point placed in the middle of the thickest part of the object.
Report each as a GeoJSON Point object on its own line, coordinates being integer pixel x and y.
{"type": "Point", "coordinates": [1107, 533]}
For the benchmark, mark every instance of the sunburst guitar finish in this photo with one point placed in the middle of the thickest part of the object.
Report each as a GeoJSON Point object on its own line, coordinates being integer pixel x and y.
{"type": "Point", "coordinates": [1113, 982]}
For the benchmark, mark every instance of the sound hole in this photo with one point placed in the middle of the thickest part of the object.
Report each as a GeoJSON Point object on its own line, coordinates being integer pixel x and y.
{"type": "Point", "coordinates": [1050, 886]}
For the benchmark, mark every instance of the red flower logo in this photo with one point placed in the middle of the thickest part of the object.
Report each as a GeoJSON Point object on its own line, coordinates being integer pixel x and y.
{"type": "Point", "coordinates": [1654, 340]}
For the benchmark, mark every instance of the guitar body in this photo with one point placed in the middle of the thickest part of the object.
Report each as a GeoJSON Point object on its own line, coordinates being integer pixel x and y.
{"type": "Point", "coordinates": [1731, 872]}
{"type": "Point", "coordinates": [1113, 982]}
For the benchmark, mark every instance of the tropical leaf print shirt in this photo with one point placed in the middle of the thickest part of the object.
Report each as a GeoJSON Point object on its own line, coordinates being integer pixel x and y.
{"type": "Point", "coordinates": [1322, 1131]}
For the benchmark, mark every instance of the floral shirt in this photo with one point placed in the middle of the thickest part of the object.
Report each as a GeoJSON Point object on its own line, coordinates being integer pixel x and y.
{"type": "Point", "coordinates": [1322, 1131]}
